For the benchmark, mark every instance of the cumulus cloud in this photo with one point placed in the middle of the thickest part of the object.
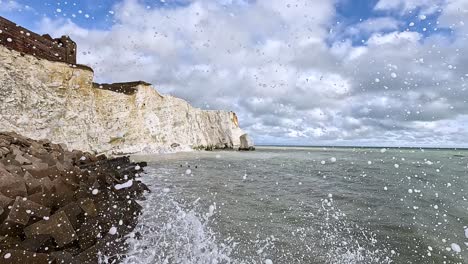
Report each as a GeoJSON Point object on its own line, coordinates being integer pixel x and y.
{"type": "Point", "coordinates": [8, 6]}
{"type": "Point", "coordinates": [426, 6]}
{"type": "Point", "coordinates": [374, 25]}
{"type": "Point", "coordinates": [274, 64]}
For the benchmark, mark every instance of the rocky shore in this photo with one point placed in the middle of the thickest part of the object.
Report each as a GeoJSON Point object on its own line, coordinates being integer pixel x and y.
{"type": "Point", "coordinates": [60, 206]}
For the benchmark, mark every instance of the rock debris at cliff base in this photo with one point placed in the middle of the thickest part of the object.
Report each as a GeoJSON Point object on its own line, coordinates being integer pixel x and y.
{"type": "Point", "coordinates": [60, 206]}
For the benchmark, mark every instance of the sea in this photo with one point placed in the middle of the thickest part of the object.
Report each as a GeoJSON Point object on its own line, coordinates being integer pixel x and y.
{"type": "Point", "coordinates": [304, 205]}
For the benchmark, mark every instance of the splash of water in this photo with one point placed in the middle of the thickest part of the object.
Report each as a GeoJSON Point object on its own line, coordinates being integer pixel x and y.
{"type": "Point", "coordinates": [349, 243]}
{"type": "Point", "coordinates": [170, 234]}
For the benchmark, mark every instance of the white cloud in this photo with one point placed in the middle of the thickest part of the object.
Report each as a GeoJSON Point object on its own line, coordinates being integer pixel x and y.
{"type": "Point", "coordinates": [272, 62]}
{"type": "Point", "coordinates": [8, 6]}
{"type": "Point", "coordinates": [426, 6]}
{"type": "Point", "coordinates": [394, 38]}
{"type": "Point", "coordinates": [374, 25]}
{"type": "Point", "coordinates": [455, 14]}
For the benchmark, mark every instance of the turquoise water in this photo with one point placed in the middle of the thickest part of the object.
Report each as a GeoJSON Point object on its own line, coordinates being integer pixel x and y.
{"type": "Point", "coordinates": [305, 205]}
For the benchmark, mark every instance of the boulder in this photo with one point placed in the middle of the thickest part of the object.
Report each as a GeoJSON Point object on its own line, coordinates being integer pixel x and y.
{"type": "Point", "coordinates": [88, 233]}
{"type": "Point", "coordinates": [88, 207]}
{"type": "Point", "coordinates": [72, 210]}
{"type": "Point", "coordinates": [36, 243]}
{"type": "Point", "coordinates": [4, 151]}
{"type": "Point", "coordinates": [5, 201]}
{"type": "Point", "coordinates": [23, 256]}
{"type": "Point", "coordinates": [58, 226]}
{"type": "Point", "coordinates": [246, 143]}
{"type": "Point", "coordinates": [33, 185]}
{"type": "Point", "coordinates": [10, 185]}
{"type": "Point", "coordinates": [63, 257]}
{"type": "Point", "coordinates": [22, 160]}
{"type": "Point", "coordinates": [63, 192]}
{"type": "Point", "coordinates": [42, 170]}
{"type": "Point", "coordinates": [38, 166]}
{"type": "Point", "coordinates": [107, 246]}
{"type": "Point", "coordinates": [23, 209]}
{"type": "Point", "coordinates": [42, 198]}
{"type": "Point", "coordinates": [49, 209]}
{"type": "Point", "coordinates": [9, 242]}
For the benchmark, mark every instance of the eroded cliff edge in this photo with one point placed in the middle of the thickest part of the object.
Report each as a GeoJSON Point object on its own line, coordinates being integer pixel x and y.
{"type": "Point", "coordinates": [41, 98]}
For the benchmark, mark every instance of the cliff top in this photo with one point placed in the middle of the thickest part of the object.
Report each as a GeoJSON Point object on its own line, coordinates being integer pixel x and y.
{"type": "Point", "coordinates": [127, 88]}
{"type": "Point", "coordinates": [15, 37]}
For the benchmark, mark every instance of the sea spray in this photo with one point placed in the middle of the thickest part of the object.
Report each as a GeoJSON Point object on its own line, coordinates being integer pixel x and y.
{"type": "Point", "coordinates": [169, 233]}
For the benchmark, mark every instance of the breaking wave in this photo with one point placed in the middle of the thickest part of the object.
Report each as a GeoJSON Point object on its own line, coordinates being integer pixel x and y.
{"type": "Point", "coordinates": [166, 233]}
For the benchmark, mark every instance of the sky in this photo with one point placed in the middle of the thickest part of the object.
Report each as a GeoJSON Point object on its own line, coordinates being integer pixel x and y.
{"type": "Point", "coordinates": [302, 72]}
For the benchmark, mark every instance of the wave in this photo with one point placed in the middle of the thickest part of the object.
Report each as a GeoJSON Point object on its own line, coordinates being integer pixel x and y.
{"type": "Point", "coordinates": [169, 232]}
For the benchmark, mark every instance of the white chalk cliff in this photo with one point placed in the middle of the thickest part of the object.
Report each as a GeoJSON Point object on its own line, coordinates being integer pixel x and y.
{"type": "Point", "coordinates": [43, 99]}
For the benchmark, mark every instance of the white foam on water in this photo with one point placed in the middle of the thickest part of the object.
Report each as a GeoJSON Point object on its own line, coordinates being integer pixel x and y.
{"type": "Point", "coordinates": [172, 234]}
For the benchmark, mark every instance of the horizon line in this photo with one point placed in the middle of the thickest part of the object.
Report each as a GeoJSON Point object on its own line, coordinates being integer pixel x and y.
{"type": "Point", "coordinates": [362, 146]}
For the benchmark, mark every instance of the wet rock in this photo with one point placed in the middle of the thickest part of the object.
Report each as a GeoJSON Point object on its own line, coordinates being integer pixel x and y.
{"type": "Point", "coordinates": [23, 256]}
{"type": "Point", "coordinates": [63, 192]}
{"type": "Point", "coordinates": [58, 226]}
{"type": "Point", "coordinates": [23, 209]}
{"type": "Point", "coordinates": [9, 242]}
{"type": "Point", "coordinates": [33, 185]}
{"type": "Point", "coordinates": [35, 243]}
{"type": "Point", "coordinates": [42, 170]}
{"type": "Point", "coordinates": [5, 201]}
{"type": "Point", "coordinates": [107, 246]}
{"type": "Point", "coordinates": [88, 207]}
{"type": "Point", "coordinates": [89, 232]}
{"type": "Point", "coordinates": [42, 198]}
{"type": "Point", "coordinates": [10, 185]}
{"type": "Point", "coordinates": [61, 205]}
{"type": "Point", "coordinates": [72, 210]}
{"type": "Point", "coordinates": [63, 257]}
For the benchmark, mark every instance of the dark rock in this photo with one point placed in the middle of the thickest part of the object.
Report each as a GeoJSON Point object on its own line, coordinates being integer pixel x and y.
{"type": "Point", "coordinates": [63, 192]}
{"type": "Point", "coordinates": [88, 207]}
{"type": "Point", "coordinates": [107, 246]}
{"type": "Point", "coordinates": [58, 226]}
{"type": "Point", "coordinates": [43, 198]}
{"type": "Point", "coordinates": [35, 243]}
{"type": "Point", "coordinates": [5, 201]}
{"type": "Point", "coordinates": [72, 210]}
{"type": "Point", "coordinates": [23, 209]}
{"type": "Point", "coordinates": [33, 168]}
{"type": "Point", "coordinates": [78, 189]}
{"type": "Point", "coordinates": [42, 170]}
{"type": "Point", "coordinates": [10, 185]}
{"type": "Point", "coordinates": [23, 256]}
{"type": "Point", "coordinates": [89, 232]}
{"type": "Point", "coordinates": [9, 242]}
{"type": "Point", "coordinates": [22, 160]}
{"type": "Point", "coordinates": [33, 185]}
{"type": "Point", "coordinates": [63, 257]}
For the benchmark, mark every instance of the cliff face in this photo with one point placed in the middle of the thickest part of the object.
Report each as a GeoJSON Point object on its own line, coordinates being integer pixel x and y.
{"type": "Point", "coordinates": [54, 100]}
